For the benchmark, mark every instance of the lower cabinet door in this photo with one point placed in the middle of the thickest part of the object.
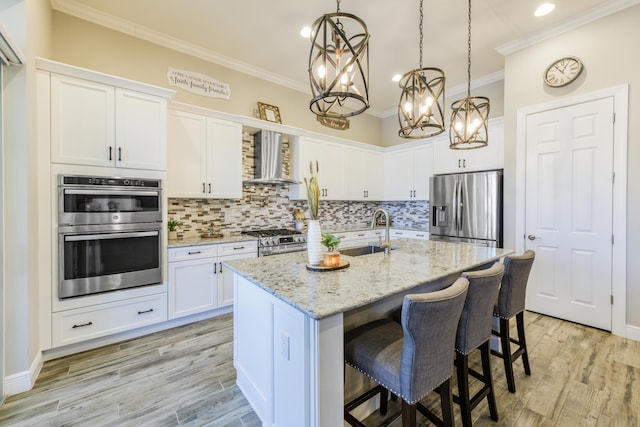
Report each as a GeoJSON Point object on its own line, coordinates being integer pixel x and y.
{"type": "Point", "coordinates": [86, 323]}
{"type": "Point", "coordinates": [193, 286]}
{"type": "Point", "coordinates": [225, 277]}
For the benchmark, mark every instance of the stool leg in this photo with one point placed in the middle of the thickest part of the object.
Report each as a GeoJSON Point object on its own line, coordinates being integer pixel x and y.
{"type": "Point", "coordinates": [446, 402]}
{"type": "Point", "coordinates": [408, 415]}
{"type": "Point", "coordinates": [384, 398]}
{"type": "Point", "coordinates": [488, 379]}
{"type": "Point", "coordinates": [523, 342]}
{"type": "Point", "coordinates": [507, 358]}
{"type": "Point", "coordinates": [462, 370]}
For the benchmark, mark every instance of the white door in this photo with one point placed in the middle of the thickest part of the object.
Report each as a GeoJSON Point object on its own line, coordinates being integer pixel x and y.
{"type": "Point", "coordinates": [569, 187]}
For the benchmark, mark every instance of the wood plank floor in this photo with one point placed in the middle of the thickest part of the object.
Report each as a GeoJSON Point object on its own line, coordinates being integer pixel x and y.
{"type": "Point", "coordinates": [580, 377]}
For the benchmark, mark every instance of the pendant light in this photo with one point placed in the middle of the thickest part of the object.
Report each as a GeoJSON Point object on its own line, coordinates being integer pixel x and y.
{"type": "Point", "coordinates": [339, 65]}
{"type": "Point", "coordinates": [420, 111]}
{"type": "Point", "coordinates": [469, 119]}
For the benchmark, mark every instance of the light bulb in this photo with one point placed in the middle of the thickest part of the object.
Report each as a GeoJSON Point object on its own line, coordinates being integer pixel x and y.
{"type": "Point", "coordinates": [407, 107]}
{"type": "Point", "coordinates": [429, 101]}
{"type": "Point", "coordinates": [321, 71]}
{"type": "Point", "coordinates": [458, 126]}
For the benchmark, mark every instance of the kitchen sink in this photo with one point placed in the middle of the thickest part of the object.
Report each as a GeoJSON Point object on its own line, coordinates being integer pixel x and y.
{"type": "Point", "coordinates": [364, 250]}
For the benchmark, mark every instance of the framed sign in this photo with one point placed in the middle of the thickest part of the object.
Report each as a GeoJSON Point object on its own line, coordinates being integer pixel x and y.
{"type": "Point", "coordinates": [269, 113]}
{"type": "Point", "coordinates": [339, 123]}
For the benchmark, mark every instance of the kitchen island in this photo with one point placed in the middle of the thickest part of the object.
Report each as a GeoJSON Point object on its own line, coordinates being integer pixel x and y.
{"type": "Point", "coordinates": [289, 322]}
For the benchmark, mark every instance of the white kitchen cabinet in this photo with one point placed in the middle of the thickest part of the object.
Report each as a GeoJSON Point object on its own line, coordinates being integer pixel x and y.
{"type": "Point", "coordinates": [81, 324]}
{"type": "Point", "coordinates": [141, 131]}
{"type": "Point", "coordinates": [197, 280]}
{"type": "Point", "coordinates": [407, 173]}
{"type": "Point", "coordinates": [485, 158]}
{"type": "Point", "coordinates": [409, 234]}
{"type": "Point", "coordinates": [331, 162]}
{"type": "Point", "coordinates": [229, 252]}
{"type": "Point", "coordinates": [95, 124]}
{"type": "Point", "coordinates": [354, 239]}
{"type": "Point", "coordinates": [204, 157]}
{"type": "Point", "coordinates": [364, 174]}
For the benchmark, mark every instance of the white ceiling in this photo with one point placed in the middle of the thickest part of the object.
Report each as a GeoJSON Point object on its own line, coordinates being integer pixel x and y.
{"type": "Point", "coordinates": [261, 37]}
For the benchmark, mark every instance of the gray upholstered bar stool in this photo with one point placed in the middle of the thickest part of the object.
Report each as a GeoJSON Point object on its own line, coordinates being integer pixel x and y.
{"type": "Point", "coordinates": [413, 358]}
{"type": "Point", "coordinates": [511, 304]}
{"type": "Point", "coordinates": [474, 332]}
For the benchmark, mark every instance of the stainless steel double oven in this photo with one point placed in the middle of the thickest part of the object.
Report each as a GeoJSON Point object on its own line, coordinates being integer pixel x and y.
{"type": "Point", "coordinates": [109, 234]}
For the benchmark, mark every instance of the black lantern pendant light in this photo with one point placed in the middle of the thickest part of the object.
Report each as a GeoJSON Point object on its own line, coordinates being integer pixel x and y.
{"type": "Point", "coordinates": [420, 110]}
{"type": "Point", "coordinates": [469, 119]}
{"type": "Point", "coordinates": [339, 65]}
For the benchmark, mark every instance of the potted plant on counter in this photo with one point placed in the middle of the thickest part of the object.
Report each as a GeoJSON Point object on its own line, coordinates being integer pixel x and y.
{"type": "Point", "coordinates": [331, 257]}
{"type": "Point", "coordinates": [171, 225]}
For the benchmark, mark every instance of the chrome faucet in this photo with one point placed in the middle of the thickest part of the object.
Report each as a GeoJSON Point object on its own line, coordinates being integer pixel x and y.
{"type": "Point", "coordinates": [387, 244]}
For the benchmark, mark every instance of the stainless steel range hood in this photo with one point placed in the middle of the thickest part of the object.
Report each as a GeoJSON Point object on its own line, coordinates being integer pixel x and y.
{"type": "Point", "coordinates": [268, 159]}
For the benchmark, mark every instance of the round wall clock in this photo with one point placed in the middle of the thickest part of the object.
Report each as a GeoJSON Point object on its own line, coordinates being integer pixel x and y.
{"type": "Point", "coordinates": [563, 71]}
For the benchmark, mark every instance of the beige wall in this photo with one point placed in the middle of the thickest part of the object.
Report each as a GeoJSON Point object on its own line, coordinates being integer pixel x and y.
{"type": "Point", "coordinates": [607, 49]}
{"type": "Point", "coordinates": [29, 24]}
{"type": "Point", "coordinates": [86, 45]}
{"type": "Point", "coordinates": [493, 91]}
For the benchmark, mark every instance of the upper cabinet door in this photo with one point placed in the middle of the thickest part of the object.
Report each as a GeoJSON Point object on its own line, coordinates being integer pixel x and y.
{"type": "Point", "coordinates": [331, 174]}
{"type": "Point", "coordinates": [186, 159]}
{"type": "Point", "coordinates": [354, 174]}
{"type": "Point", "coordinates": [374, 173]}
{"type": "Point", "coordinates": [224, 159]}
{"type": "Point", "coordinates": [422, 171]}
{"type": "Point", "coordinates": [141, 130]}
{"type": "Point", "coordinates": [82, 122]}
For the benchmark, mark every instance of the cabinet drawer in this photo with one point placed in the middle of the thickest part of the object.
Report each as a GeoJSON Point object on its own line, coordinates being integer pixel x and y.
{"type": "Point", "coordinates": [192, 252]}
{"type": "Point", "coordinates": [246, 247]}
{"type": "Point", "coordinates": [92, 322]}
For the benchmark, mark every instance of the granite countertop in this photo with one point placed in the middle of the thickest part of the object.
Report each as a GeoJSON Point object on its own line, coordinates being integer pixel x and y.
{"type": "Point", "coordinates": [196, 241]}
{"type": "Point", "coordinates": [368, 279]}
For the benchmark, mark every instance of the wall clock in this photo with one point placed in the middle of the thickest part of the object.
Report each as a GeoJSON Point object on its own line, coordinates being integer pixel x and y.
{"type": "Point", "coordinates": [562, 72]}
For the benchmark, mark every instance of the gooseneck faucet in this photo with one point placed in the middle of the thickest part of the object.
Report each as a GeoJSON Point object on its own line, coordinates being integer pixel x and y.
{"type": "Point", "coordinates": [387, 244]}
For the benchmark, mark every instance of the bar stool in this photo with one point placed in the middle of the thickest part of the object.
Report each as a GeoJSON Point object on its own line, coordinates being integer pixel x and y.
{"type": "Point", "coordinates": [474, 332]}
{"type": "Point", "coordinates": [511, 303]}
{"type": "Point", "coordinates": [410, 359]}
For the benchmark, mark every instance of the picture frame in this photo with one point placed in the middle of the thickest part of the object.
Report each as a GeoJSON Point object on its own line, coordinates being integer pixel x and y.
{"type": "Point", "coordinates": [270, 113]}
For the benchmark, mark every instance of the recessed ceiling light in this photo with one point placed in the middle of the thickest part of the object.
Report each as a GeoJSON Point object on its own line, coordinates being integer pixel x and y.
{"type": "Point", "coordinates": [305, 32]}
{"type": "Point", "coordinates": [396, 77]}
{"type": "Point", "coordinates": [544, 9]}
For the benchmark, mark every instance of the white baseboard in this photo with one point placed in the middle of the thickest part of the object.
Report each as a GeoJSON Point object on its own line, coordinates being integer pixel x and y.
{"type": "Point", "coordinates": [23, 381]}
{"type": "Point", "coordinates": [633, 332]}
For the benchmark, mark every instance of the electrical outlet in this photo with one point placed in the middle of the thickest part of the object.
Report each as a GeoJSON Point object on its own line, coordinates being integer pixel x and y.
{"type": "Point", "coordinates": [284, 346]}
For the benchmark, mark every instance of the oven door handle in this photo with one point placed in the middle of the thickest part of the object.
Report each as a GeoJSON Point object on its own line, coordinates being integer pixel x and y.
{"type": "Point", "coordinates": [111, 192]}
{"type": "Point", "coordinates": [77, 238]}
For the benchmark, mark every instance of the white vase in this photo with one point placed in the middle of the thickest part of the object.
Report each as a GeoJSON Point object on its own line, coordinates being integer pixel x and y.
{"type": "Point", "coordinates": [314, 247]}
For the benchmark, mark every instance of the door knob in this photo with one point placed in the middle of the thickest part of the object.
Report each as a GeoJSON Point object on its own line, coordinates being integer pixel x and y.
{"type": "Point", "coordinates": [532, 237]}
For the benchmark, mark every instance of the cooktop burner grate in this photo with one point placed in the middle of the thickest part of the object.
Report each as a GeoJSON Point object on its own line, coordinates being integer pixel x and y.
{"type": "Point", "coordinates": [271, 232]}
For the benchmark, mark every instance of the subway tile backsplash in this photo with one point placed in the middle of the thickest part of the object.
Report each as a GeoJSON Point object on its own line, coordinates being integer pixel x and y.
{"type": "Point", "coordinates": [269, 206]}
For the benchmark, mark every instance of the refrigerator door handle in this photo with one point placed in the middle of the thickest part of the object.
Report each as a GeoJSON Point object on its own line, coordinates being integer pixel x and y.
{"type": "Point", "coordinates": [454, 207]}
{"type": "Point", "coordinates": [460, 206]}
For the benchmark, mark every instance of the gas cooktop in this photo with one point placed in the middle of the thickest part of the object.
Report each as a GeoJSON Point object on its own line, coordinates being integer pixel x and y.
{"type": "Point", "coordinates": [271, 232]}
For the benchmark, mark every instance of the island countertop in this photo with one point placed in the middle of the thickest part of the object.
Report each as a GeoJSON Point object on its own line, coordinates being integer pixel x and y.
{"type": "Point", "coordinates": [369, 278]}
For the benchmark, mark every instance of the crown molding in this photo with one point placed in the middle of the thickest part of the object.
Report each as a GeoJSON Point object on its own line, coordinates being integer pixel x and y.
{"type": "Point", "coordinates": [574, 22]}
{"type": "Point", "coordinates": [122, 25]}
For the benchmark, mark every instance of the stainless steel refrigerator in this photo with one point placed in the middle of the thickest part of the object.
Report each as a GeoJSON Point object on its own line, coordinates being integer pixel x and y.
{"type": "Point", "coordinates": [467, 208]}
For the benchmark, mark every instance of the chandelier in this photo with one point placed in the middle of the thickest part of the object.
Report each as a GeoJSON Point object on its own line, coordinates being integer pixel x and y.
{"type": "Point", "coordinates": [420, 111]}
{"type": "Point", "coordinates": [339, 65]}
{"type": "Point", "coordinates": [469, 118]}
